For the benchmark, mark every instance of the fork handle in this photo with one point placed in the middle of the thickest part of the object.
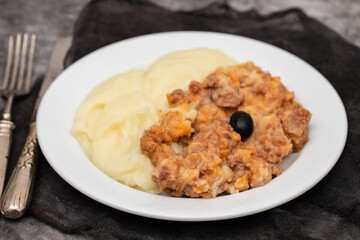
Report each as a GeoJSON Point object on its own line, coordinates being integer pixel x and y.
{"type": "Point", "coordinates": [6, 128]}
{"type": "Point", "coordinates": [18, 191]}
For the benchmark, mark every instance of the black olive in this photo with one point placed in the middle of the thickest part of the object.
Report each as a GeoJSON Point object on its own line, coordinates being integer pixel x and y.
{"type": "Point", "coordinates": [242, 123]}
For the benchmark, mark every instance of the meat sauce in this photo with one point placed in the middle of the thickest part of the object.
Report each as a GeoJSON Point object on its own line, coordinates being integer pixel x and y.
{"type": "Point", "coordinates": [214, 160]}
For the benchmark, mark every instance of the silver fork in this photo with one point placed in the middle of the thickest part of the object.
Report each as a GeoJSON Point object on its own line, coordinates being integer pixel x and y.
{"type": "Point", "coordinates": [12, 87]}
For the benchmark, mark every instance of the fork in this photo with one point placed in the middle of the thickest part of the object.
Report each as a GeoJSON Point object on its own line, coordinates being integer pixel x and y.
{"type": "Point", "coordinates": [14, 86]}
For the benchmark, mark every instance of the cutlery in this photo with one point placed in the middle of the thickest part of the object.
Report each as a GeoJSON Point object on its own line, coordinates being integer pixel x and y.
{"type": "Point", "coordinates": [17, 194]}
{"type": "Point", "coordinates": [12, 87]}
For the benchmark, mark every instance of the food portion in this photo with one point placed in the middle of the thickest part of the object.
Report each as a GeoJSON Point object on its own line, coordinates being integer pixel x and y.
{"type": "Point", "coordinates": [196, 147]}
{"type": "Point", "coordinates": [195, 123]}
{"type": "Point", "coordinates": [111, 120]}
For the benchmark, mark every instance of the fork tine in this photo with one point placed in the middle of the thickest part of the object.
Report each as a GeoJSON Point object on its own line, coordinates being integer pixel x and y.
{"type": "Point", "coordinates": [22, 61]}
{"type": "Point", "coordinates": [8, 63]}
{"type": "Point", "coordinates": [16, 62]}
{"type": "Point", "coordinates": [30, 63]}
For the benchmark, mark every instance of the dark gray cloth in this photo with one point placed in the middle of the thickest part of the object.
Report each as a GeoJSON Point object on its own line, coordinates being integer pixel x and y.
{"type": "Point", "coordinates": [330, 210]}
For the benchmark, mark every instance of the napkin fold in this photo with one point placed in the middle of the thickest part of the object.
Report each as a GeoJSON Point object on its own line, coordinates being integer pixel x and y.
{"type": "Point", "coordinates": [330, 210]}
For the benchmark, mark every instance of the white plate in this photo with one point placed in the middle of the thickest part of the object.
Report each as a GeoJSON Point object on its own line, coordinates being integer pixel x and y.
{"type": "Point", "coordinates": [327, 129]}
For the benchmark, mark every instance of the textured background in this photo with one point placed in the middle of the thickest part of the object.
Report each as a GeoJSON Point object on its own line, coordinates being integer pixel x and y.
{"type": "Point", "coordinates": [53, 19]}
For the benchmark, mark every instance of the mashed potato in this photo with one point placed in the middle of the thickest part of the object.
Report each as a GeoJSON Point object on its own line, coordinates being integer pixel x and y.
{"type": "Point", "coordinates": [111, 120]}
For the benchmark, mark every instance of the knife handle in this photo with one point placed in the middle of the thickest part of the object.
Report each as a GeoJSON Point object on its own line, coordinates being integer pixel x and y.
{"type": "Point", "coordinates": [6, 128]}
{"type": "Point", "coordinates": [18, 191]}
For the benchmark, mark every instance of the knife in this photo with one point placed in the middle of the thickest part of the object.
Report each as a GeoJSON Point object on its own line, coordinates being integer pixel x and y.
{"type": "Point", "coordinates": [17, 195]}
